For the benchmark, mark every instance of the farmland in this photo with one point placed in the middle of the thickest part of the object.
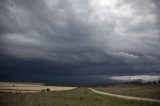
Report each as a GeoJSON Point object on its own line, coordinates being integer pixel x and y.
{"type": "Point", "coordinates": [29, 87]}
{"type": "Point", "coordinates": [81, 96]}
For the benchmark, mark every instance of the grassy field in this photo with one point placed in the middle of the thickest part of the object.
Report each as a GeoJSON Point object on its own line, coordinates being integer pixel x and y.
{"type": "Point", "coordinates": [133, 90]}
{"type": "Point", "coordinates": [75, 97]}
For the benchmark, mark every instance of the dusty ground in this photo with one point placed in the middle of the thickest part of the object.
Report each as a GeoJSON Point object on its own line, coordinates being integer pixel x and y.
{"type": "Point", "coordinates": [28, 87]}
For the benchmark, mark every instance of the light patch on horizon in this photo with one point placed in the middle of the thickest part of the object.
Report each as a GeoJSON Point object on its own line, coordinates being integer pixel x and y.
{"type": "Point", "coordinates": [136, 77]}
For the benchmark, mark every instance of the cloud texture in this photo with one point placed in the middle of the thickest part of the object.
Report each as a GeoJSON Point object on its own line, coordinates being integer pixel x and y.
{"type": "Point", "coordinates": [85, 38]}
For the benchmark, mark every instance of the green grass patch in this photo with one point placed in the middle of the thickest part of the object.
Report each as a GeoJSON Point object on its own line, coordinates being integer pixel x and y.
{"type": "Point", "coordinates": [133, 90]}
{"type": "Point", "coordinates": [76, 97]}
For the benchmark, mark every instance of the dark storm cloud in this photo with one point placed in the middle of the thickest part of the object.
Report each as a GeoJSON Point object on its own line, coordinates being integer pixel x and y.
{"type": "Point", "coordinates": [87, 38]}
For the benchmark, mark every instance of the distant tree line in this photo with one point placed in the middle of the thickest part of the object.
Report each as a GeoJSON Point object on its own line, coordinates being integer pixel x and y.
{"type": "Point", "coordinates": [140, 82]}
{"type": "Point", "coordinates": [135, 82]}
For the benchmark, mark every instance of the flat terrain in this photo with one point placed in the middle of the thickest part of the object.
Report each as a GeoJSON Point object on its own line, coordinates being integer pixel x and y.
{"type": "Point", "coordinates": [29, 87]}
{"type": "Point", "coordinates": [28, 94]}
{"type": "Point", "coordinates": [75, 97]}
{"type": "Point", "coordinates": [152, 92]}
{"type": "Point", "coordinates": [125, 97]}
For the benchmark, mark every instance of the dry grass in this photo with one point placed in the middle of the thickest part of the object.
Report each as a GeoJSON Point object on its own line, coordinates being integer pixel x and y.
{"type": "Point", "coordinates": [29, 87]}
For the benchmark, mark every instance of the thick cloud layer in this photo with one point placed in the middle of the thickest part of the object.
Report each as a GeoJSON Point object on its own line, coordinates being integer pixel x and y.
{"type": "Point", "coordinates": [85, 38]}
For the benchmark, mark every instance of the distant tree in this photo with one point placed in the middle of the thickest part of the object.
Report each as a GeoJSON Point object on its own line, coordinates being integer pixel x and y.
{"type": "Point", "coordinates": [48, 90]}
{"type": "Point", "coordinates": [154, 82]}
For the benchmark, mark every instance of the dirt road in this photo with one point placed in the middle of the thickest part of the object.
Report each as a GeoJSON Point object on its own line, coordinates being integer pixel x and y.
{"type": "Point", "coordinates": [125, 97]}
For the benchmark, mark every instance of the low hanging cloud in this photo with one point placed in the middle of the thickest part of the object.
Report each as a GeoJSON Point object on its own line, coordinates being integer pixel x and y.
{"type": "Point", "coordinates": [98, 37]}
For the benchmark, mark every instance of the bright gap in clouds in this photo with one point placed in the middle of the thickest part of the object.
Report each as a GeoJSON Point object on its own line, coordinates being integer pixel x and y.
{"type": "Point", "coordinates": [136, 77]}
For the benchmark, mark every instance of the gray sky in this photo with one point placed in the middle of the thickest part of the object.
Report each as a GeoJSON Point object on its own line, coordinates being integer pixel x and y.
{"type": "Point", "coordinates": [86, 38]}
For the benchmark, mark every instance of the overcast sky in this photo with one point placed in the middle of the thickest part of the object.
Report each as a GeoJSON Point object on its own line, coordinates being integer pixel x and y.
{"type": "Point", "coordinates": [78, 40]}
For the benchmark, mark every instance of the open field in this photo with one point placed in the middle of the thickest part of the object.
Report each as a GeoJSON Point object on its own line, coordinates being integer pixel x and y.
{"type": "Point", "coordinates": [152, 92]}
{"type": "Point", "coordinates": [66, 96]}
{"type": "Point", "coordinates": [125, 97]}
{"type": "Point", "coordinates": [29, 87]}
{"type": "Point", "coordinates": [75, 97]}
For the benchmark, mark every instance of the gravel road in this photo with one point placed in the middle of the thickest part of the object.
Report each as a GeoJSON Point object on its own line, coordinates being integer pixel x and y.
{"type": "Point", "coordinates": [125, 97]}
